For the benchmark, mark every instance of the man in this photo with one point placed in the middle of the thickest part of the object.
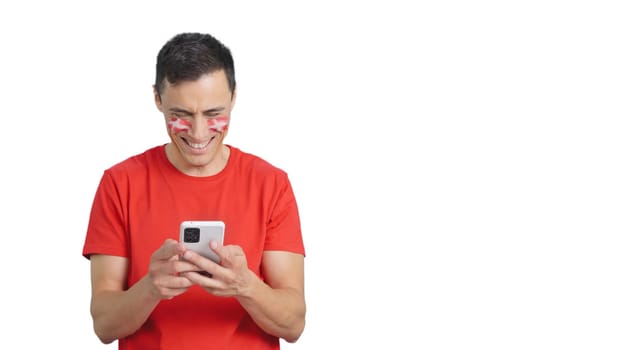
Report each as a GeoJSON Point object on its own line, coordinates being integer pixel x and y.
{"type": "Point", "coordinates": [148, 290]}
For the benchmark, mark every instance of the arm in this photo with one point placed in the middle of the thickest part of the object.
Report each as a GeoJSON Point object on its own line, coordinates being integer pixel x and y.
{"type": "Point", "coordinates": [277, 305]}
{"type": "Point", "coordinates": [117, 311]}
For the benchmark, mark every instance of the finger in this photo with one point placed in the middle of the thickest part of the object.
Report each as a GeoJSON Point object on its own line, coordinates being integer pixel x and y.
{"type": "Point", "coordinates": [211, 285]}
{"type": "Point", "coordinates": [181, 266]}
{"type": "Point", "coordinates": [217, 248]}
{"type": "Point", "coordinates": [172, 286]}
{"type": "Point", "coordinates": [229, 254]}
{"type": "Point", "coordinates": [202, 262]}
{"type": "Point", "coordinates": [178, 283]}
{"type": "Point", "coordinates": [203, 280]}
{"type": "Point", "coordinates": [168, 249]}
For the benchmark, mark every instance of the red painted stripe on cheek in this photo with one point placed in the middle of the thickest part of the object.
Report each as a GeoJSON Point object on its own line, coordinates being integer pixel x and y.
{"type": "Point", "coordinates": [179, 125]}
{"type": "Point", "coordinates": [218, 124]}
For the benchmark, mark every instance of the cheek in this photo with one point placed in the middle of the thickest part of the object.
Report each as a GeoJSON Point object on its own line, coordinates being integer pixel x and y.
{"type": "Point", "coordinates": [218, 124]}
{"type": "Point", "coordinates": [177, 125]}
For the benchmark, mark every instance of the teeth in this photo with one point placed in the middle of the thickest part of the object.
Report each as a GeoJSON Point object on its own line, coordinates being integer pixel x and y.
{"type": "Point", "coordinates": [197, 145]}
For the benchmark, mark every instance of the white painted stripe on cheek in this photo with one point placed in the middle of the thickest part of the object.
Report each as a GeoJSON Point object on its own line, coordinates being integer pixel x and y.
{"type": "Point", "coordinates": [179, 125]}
{"type": "Point", "coordinates": [218, 124]}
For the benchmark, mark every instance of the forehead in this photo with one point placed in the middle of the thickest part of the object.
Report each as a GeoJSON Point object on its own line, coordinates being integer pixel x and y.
{"type": "Point", "coordinates": [213, 86]}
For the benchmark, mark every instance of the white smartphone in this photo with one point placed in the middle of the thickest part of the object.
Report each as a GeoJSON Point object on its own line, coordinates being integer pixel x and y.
{"type": "Point", "coordinates": [196, 236]}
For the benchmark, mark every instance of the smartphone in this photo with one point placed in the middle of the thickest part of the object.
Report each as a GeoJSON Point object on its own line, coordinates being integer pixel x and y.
{"type": "Point", "coordinates": [196, 236]}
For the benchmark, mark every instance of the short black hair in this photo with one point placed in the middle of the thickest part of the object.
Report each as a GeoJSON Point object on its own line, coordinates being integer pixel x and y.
{"type": "Point", "coordinates": [189, 56]}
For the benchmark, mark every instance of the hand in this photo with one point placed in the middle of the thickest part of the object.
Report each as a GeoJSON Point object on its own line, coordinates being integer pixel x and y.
{"type": "Point", "coordinates": [231, 278]}
{"type": "Point", "coordinates": [164, 269]}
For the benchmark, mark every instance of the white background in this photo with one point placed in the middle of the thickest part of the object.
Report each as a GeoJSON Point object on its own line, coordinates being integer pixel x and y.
{"type": "Point", "coordinates": [457, 163]}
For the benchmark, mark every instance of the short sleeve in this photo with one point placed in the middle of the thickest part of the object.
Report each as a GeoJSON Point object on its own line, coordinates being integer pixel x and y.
{"type": "Point", "coordinates": [106, 231]}
{"type": "Point", "coordinates": [283, 226]}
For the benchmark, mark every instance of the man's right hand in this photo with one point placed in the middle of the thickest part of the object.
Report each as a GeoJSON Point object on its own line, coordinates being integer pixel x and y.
{"type": "Point", "coordinates": [165, 268]}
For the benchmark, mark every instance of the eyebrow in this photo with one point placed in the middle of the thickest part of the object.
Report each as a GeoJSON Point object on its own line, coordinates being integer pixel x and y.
{"type": "Point", "coordinates": [186, 112]}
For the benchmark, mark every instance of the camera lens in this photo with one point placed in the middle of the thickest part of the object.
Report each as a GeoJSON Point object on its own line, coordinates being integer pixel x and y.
{"type": "Point", "coordinates": [191, 234]}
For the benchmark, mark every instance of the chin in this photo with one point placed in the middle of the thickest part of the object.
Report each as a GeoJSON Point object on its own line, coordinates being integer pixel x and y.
{"type": "Point", "coordinates": [199, 160]}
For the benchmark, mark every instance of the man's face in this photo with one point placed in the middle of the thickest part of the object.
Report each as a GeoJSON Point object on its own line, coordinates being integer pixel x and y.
{"type": "Point", "coordinates": [197, 118]}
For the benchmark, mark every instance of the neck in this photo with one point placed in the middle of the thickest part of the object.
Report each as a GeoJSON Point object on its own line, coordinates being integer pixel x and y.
{"type": "Point", "coordinates": [198, 168]}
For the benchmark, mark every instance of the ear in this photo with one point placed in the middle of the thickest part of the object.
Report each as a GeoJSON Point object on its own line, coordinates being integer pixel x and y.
{"type": "Point", "coordinates": [157, 99]}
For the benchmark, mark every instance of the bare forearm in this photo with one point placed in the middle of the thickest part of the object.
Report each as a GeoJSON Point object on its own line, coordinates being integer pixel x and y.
{"type": "Point", "coordinates": [117, 314]}
{"type": "Point", "coordinates": [280, 312]}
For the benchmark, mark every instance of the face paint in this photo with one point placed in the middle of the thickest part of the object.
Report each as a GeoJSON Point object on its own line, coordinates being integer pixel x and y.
{"type": "Point", "coordinates": [218, 124]}
{"type": "Point", "coordinates": [179, 125]}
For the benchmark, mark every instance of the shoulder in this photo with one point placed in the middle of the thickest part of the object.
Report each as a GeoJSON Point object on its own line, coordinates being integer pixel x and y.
{"type": "Point", "coordinates": [252, 164]}
{"type": "Point", "coordinates": [137, 163]}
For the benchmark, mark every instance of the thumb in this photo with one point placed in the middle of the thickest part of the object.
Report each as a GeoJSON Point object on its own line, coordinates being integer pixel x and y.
{"type": "Point", "coordinates": [217, 248]}
{"type": "Point", "coordinates": [168, 249]}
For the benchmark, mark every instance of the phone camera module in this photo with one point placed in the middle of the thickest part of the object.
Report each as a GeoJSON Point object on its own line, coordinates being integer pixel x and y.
{"type": "Point", "coordinates": [191, 234]}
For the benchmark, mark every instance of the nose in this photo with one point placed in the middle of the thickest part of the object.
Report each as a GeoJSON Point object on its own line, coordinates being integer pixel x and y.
{"type": "Point", "coordinates": [200, 129]}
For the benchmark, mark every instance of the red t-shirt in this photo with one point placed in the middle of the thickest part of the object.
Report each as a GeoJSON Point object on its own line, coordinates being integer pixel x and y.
{"type": "Point", "coordinates": [141, 201]}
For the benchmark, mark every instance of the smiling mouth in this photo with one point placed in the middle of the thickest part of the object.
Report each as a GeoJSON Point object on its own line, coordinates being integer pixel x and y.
{"type": "Point", "coordinates": [199, 146]}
